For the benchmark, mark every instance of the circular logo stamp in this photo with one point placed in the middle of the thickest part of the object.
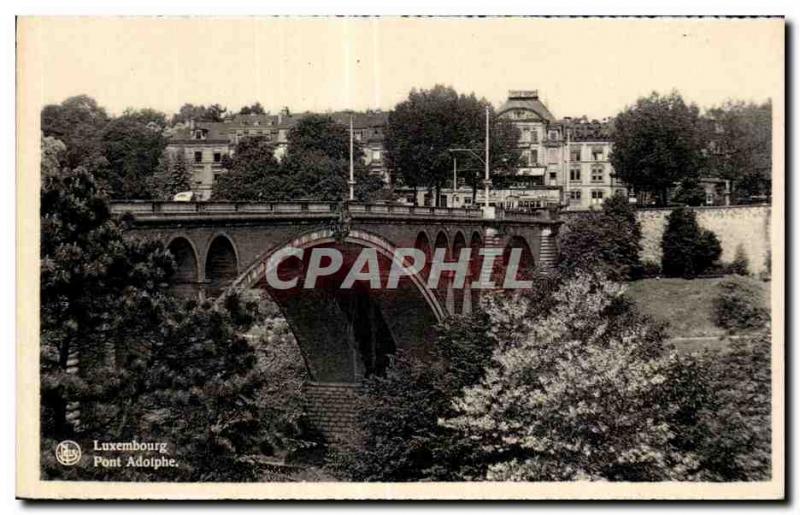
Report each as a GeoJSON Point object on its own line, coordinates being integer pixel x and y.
{"type": "Point", "coordinates": [68, 453]}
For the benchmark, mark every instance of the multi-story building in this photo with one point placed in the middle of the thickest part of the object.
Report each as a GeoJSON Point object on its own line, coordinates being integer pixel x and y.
{"type": "Point", "coordinates": [562, 161]}
{"type": "Point", "coordinates": [571, 154]}
{"type": "Point", "coordinates": [204, 143]}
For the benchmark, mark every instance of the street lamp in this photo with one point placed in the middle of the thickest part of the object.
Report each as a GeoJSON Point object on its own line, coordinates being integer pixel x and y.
{"type": "Point", "coordinates": [487, 181]}
{"type": "Point", "coordinates": [352, 181]}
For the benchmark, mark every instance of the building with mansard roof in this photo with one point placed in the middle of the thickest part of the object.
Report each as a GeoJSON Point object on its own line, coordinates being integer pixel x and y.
{"type": "Point", "coordinates": [570, 155]}
{"type": "Point", "coordinates": [205, 143]}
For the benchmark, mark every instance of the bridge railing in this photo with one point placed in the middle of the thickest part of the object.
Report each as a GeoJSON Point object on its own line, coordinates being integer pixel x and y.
{"type": "Point", "coordinates": [169, 208]}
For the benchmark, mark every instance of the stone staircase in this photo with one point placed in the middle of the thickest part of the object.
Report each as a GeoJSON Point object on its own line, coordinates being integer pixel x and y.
{"type": "Point", "coordinates": [548, 252]}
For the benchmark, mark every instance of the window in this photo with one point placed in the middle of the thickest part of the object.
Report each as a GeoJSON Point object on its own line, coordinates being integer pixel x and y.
{"type": "Point", "coordinates": [597, 153]}
{"type": "Point", "coordinates": [597, 174]}
{"type": "Point", "coordinates": [534, 135]}
{"type": "Point", "coordinates": [709, 198]}
{"type": "Point", "coordinates": [217, 157]}
{"type": "Point", "coordinates": [467, 201]}
{"type": "Point", "coordinates": [575, 196]}
{"type": "Point", "coordinates": [526, 134]}
{"type": "Point", "coordinates": [597, 197]}
{"type": "Point", "coordinates": [199, 134]}
{"type": "Point", "coordinates": [575, 174]}
{"type": "Point", "coordinates": [553, 135]}
{"type": "Point", "coordinates": [198, 157]}
{"type": "Point", "coordinates": [534, 157]}
{"type": "Point", "coordinates": [376, 155]}
{"type": "Point", "coordinates": [552, 155]}
{"type": "Point", "coordinates": [553, 180]}
{"type": "Point", "coordinates": [526, 158]}
{"type": "Point", "coordinates": [575, 154]}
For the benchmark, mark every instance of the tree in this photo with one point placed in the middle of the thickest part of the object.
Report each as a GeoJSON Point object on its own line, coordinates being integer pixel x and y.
{"type": "Point", "coordinates": [584, 391]}
{"type": "Point", "coordinates": [690, 193]}
{"type": "Point", "coordinates": [658, 142]}
{"type": "Point", "coordinates": [741, 147]}
{"type": "Point", "coordinates": [423, 129]}
{"type": "Point", "coordinates": [78, 122]}
{"type": "Point", "coordinates": [133, 144]}
{"type": "Point", "coordinates": [317, 162]}
{"type": "Point", "coordinates": [687, 250]}
{"type": "Point", "coordinates": [608, 241]}
{"type": "Point", "coordinates": [172, 175]}
{"type": "Point", "coordinates": [199, 113]}
{"type": "Point", "coordinates": [256, 108]}
{"type": "Point", "coordinates": [149, 364]}
{"type": "Point", "coordinates": [253, 173]}
{"type": "Point", "coordinates": [87, 268]}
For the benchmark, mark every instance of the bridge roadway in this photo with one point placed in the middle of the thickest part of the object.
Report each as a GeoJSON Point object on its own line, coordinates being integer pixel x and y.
{"type": "Point", "coordinates": [343, 335]}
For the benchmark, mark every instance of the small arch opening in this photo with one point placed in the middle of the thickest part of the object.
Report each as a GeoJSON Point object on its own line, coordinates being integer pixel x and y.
{"type": "Point", "coordinates": [221, 265]}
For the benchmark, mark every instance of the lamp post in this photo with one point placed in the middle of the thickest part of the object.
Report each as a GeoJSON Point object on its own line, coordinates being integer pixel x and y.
{"type": "Point", "coordinates": [352, 181]}
{"type": "Point", "coordinates": [486, 180]}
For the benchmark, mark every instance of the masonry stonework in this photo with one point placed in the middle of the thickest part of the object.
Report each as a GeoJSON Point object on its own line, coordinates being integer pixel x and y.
{"type": "Point", "coordinates": [747, 226]}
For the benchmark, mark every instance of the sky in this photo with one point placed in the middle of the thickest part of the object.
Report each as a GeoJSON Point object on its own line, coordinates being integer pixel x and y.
{"type": "Point", "coordinates": [592, 67]}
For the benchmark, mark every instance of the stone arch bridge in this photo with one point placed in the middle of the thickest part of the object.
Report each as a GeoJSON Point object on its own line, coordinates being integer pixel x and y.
{"type": "Point", "coordinates": [343, 335]}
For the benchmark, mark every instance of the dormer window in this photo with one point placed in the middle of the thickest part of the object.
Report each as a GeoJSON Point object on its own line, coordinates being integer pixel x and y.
{"type": "Point", "coordinates": [200, 134]}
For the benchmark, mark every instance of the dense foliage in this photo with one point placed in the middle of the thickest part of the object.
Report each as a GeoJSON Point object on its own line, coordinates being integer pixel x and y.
{"type": "Point", "coordinates": [199, 113]}
{"type": "Point", "coordinates": [607, 241]}
{"type": "Point", "coordinates": [400, 439]}
{"type": "Point", "coordinates": [123, 360]}
{"type": "Point", "coordinates": [733, 428]}
{"type": "Point", "coordinates": [658, 142]}
{"type": "Point", "coordinates": [423, 129]}
{"type": "Point", "coordinates": [173, 175]}
{"type": "Point", "coordinates": [740, 304]}
{"type": "Point", "coordinates": [577, 393]}
{"type": "Point", "coordinates": [690, 193]}
{"type": "Point", "coordinates": [316, 167]}
{"type": "Point", "coordinates": [687, 249]}
{"type": "Point", "coordinates": [740, 137]}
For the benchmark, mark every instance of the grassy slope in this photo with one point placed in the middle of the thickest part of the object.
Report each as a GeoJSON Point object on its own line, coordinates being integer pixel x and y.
{"type": "Point", "coordinates": [685, 305]}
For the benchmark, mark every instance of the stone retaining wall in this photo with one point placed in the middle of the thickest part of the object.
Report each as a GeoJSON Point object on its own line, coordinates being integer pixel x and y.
{"type": "Point", "coordinates": [748, 226]}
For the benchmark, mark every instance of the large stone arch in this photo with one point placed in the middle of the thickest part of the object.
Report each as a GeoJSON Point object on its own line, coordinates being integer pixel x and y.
{"type": "Point", "coordinates": [327, 321]}
{"type": "Point", "coordinates": [221, 264]}
{"type": "Point", "coordinates": [250, 277]}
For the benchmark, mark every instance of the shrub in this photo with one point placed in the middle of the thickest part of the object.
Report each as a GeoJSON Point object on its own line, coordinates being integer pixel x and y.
{"type": "Point", "coordinates": [586, 391]}
{"type": "Point", "coordinates": [607, 241]}
{"type": "Point", "coordinates": [648, 270]}
{"type": "Point", "coordinates": [687, 249]}
{"type": "Point", "coordinates": [740, 264]}
{"type": "Point", "coordinates": [740, 304]}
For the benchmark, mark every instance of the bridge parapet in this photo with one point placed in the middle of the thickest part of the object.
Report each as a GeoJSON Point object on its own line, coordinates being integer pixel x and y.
{"type": "Point", "coordinates": [147, 209]}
